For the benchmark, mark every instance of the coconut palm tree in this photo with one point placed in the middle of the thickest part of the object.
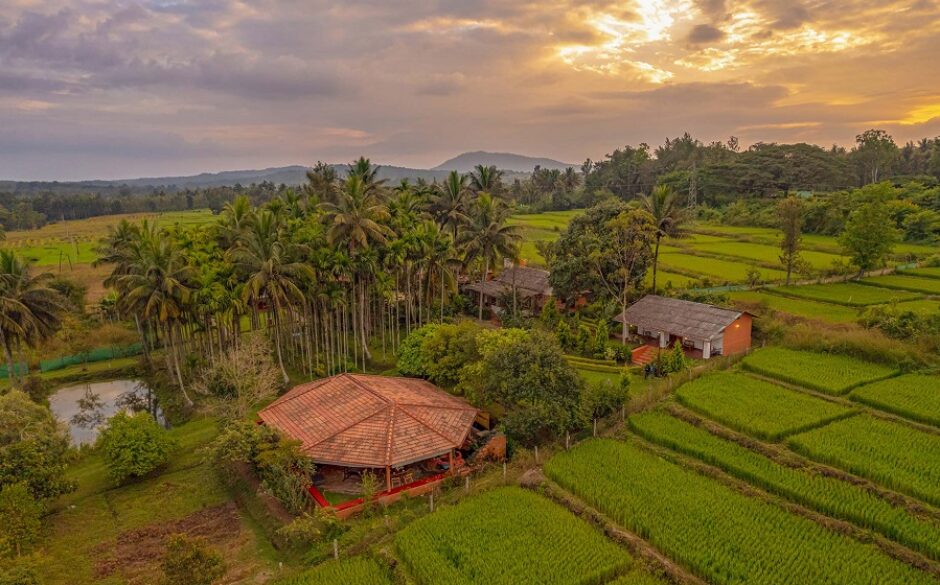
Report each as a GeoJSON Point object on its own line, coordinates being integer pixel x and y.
{"type": "Point", "coordinates": [30, 310]}
{"type": "Point", "coordinates": [449, 202]}
{"type": "Point", "coordinates": [487, 237]}
{"type": "Point", "coordinates": [669, 215]}
{"type": "Point", "coordinates": [273, 274]}
{"type": "Point", "coordinates": [486, 179]}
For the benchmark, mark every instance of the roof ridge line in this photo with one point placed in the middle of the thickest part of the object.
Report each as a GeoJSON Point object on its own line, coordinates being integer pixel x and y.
{"type": "Point", "coordinates": [428, 426]}
{"type": "Point", "coordinates": [346, 428]}
{"type": "Point", "coordinates": [468, 407]}
{"type": "Point", "coordinates": [367, 389]}
{"type": "Point", "coordinates": [388, 435]}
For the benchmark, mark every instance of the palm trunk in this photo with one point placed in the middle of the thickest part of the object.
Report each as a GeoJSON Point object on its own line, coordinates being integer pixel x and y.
{"type": "Point", "coordinates": [277, 343]}
{"type": "Point", "coordinates": [486, 269]}
{"type": "Point", "coordinates": [655, 262]}
{"type": "Point", "coordinates": [176, 362]}
{"type": "Point", "coordinates": [366, 354]}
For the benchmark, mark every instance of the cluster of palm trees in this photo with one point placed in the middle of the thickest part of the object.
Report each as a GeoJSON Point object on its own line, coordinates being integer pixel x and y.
{"type": "Point", "coordinates": [328, 270]}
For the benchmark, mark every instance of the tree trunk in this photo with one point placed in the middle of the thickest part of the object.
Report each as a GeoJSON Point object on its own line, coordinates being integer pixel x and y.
{"type": "Point", "coordinates": [176, 362]}
{"type": "Point", "coordinates": [366, 354]}
{"type": "Point", "coordinates": [656, 261]}
{"type": "Point", "coordinates": [486, 269]}
{"type": "Point", "coordinates": [277, 343]}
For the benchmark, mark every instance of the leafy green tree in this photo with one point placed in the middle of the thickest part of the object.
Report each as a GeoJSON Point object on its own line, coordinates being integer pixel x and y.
{"type": "Point", "coordinates": [189, 561]}
{"type": "Point", "coordinates": [20, 517]}
{"type": "Point", "coordinates": [33, 447]}
{"type": "Point", "coordinates": [875, 152]}
{"type": "Point", "coordinates": [869, 236]}
{"type": "Point", "coordinates": [550, 315]}
{"type": "Point", "coordinates": [790, 212]}
{"type": "Point", "coordinates": [411, 358]}
{"type": "Point", "coordinates": [134, 445]}
{"type": "Point", "coordinates": [526, 372]}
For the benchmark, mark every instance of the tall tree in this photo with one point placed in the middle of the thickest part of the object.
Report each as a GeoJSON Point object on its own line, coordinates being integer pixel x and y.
{"type": "Point", "coordinates": [875, 151]}
{"type": "Point", "coordinates": [622, 258]}
{"type": "Point", "coordinates": [30, 310]}
{"type": "Point", "coordinates": [449, 202]}
{"type": "Point", "coordinates": [790, 215]}
{"type": "Point", "coordinates": [869, 236]}
{"type": "Point", "coordinates": [669, 216]}
{"type": "Point", "coordinates": [487, 179]}
{"type": "Point", "coordinates": [488, 237]}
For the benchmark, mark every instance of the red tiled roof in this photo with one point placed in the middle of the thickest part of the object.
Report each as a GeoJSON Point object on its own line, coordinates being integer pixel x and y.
{"type": "Point", "coordinates": [359, 420]}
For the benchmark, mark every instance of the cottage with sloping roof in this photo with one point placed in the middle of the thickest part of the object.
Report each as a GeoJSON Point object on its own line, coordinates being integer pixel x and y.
{"type": "Point", "coordinates": [529, 285]}
{"type": "Point", "coordinates": [703, 330]}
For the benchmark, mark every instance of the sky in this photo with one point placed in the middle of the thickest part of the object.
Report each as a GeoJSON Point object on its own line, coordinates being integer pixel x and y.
{"type": "Point", "coordinates": [108, 89]}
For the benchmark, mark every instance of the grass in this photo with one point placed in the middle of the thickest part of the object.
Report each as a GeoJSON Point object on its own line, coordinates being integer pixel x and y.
{"type": "Point", "coordinates": [355, 571]}
{"type": "Point", "coordinates": [721, 535]}
{"type": "Point", "coordinates": [717, 270]}
{"type": "Point", "coordinates": [890, 453]}
{"type": "Point", "coordinates": [83, 527]}
{"type": "Point", "coordinates": [798, 307]}
{"type": "Point", "coordinates": [913, 396]}
{"type": "Point", "coordinates": [540, 227]}
{"type": "Point", "coordinates": [826, 372]}
{"type": "Point", "coordinates": [669, 280]}
{"type": "Point", "coordinates": [930, 286]}
{"type": "Point", "coordinates": [849, 294]}
{"type": "Point", "coordinates": [508, 536]}
{"type": "Point", "coordinates": [820, 492]}
{"type": "Point", "coordinates": [757, 407]}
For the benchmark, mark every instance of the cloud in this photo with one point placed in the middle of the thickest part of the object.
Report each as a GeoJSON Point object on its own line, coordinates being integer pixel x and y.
{"type": "Point", "coordinates": [702, 34]}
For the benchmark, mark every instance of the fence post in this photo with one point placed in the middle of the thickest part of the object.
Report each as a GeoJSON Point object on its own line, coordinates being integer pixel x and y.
{"type": "Point", "coordinates": [567, 441]}
{"type": "Point", "coordinates": [335, 549]}
{"type": "Point", "coordinates": [504, 471]}
{"type": "Point", "coordinates": [536, 453]}
{"type": "Point", "coordinates": [466, 485]}
{"type": "Point", "coordinates": [595, 427]}
{"type": "Point", "coordinates": [432, 501]}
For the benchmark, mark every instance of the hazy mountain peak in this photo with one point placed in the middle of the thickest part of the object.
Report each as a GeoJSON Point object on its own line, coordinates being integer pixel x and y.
{"type": "Point", "coordinates": [508, 161]}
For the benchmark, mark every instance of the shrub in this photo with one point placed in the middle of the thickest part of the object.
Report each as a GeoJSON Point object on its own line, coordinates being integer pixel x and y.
{"type": "Point", "coordinates": [604, 397]}
{"type": "Point", "coordinates": [134, 445]}
{"type": "Point", "coordinates": [20, 518]}
{"type": "Point", "coordinates": [549, 315]}
{"type": "Point", "coordinates": [411, 360]}
{"type": "Point", "coordinates": [189, 561]}
{"type": "Point", "coordinates": [22, 571]}
{"type": "Point", "coordinates": [617, 351]}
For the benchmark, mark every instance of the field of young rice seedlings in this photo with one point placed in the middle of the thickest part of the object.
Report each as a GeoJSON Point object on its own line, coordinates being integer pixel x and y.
{"type": "Point", "coordinates": [799, 307]}
{"type": "Point", "coordinates": [827, 372]}
{"type": "Point", "coordinates": [913, 396]}
{"type": "Point", "coordinates": [716, 532]}
{"type": "Point", "coordinates": [716, 270]}
{"type": "Point", "coordinates": [828, 495]}
{"type": "Point", "coordinates": [355, 571]}
{"type": "Point", "coordinates": [889, 453]}
{"type": "Point", "coordinates": [850, 294]}
{"type": "Point", "coordinates": [508, 536]}
{"type": "Point", "coordinates": [766, 254]}
{"type": "Point", "coordinates": [930, 286]}
{"type": "Point", "coordinates": [756, 407]}
{"type": "Point", "coordinates": [925, 272]}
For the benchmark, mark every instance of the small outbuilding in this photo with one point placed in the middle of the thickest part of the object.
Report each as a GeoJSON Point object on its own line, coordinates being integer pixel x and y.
{"type": "Point", "coordinates": [405, 430]}
{"type": "Point", "coordinates": [529, 285]}
{"type": "Point", "coordinates": [703, 330]}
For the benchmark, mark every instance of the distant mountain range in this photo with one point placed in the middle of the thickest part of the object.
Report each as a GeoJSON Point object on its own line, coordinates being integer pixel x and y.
{"type": "Point", "coordinates": [502, 160]}
{"type": "Point", "coordinates": [513, 165]}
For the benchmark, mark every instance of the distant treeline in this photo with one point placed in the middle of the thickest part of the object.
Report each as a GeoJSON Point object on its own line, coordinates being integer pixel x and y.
{"type": "Point", "coordinates": [715, 174]}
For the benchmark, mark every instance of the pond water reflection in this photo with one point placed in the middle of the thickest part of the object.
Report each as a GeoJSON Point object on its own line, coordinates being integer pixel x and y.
{"type": "Point", "coordinates": [85, 407]}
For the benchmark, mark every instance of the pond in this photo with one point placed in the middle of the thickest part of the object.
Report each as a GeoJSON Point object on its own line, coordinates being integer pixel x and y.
{"type": "Point", "coordinates": [86, 407]}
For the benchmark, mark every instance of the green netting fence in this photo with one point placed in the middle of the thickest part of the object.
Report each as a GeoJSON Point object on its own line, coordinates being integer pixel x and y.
{"type": "Point", "coordinates": [21, 369]}
{"type": "Point", "coordinates": [96, 355]}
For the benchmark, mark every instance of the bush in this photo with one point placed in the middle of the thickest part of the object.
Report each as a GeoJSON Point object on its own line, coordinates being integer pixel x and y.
{"type": "Point", "coordinates": [604, 397]}
{"type": "Point", "coordinates": [20, 518]}
{"type": "Point", "coordinates": [900, 324]}
{"type": "Point", "coordinates": [189, 561]}
{"type": "Point", "coordinates": [134, 445]}
{"type": "Point", "coordinates": [411, 360]}
{"type": "Point", "coordinates": [22, 571]}
{"type": "Point", "coordinates": [617, 352]}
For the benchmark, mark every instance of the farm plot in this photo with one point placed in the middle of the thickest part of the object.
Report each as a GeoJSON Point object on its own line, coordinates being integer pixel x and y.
{"type": "Point", "coordinates": [715, 269]}
{"type": "Point", "coordinates": [756, 407]}
{"type": "Point", "coordinates": [890, 453]}
{"type": "Point", "coordinates": [718, 533]}
{"type": "Point", "coordinates": [913, 396]}
{"type": "Point", "coordinates": [925, 272]}
{"type": "Point", "coordinates": [508, 536]}
{"type": "Point", "coordinates": [540, 227]}
{"type": "Point", "coordinates": [930, 286]}
{"type": "Point", "coordinates": [669, 280]}
{"type": "Point", "coordinates": [799, 307]}
{"type": "Point", "coordinates": [826, 372]}
{"type": "Point", "coordinates": [766, 254]}
{"type": "Point", "coordinates": [846, 293]}
{"type": "Point", "coordinates": [825, 494]}
{"type": "Point", "coordinates": [355, 571]}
